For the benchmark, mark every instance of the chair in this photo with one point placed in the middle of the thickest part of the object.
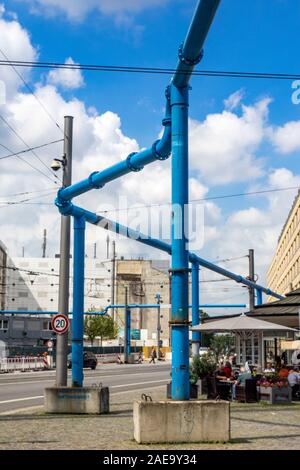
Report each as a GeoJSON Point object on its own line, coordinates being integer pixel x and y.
{"type": "Point", "coordinates": [217, 390]}
{"type": "Point", "coordinates": [248, 393]}
{"type": "Point", "coordinates": [212, 393]}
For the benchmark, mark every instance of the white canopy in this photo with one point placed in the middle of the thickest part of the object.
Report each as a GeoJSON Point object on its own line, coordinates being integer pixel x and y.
{"type": "Point", "coordinates": [241, 323]}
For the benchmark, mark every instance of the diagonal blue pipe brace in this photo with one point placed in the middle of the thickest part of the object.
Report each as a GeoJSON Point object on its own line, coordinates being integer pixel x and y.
{"type": "Point", "coordinates": [120, 229]}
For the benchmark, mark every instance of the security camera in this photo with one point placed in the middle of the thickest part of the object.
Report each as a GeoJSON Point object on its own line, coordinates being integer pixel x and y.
{"type": "Point", "coordinates": [56, 164]}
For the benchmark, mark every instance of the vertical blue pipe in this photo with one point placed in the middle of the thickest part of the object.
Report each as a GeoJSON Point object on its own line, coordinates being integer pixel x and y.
{"type": "Point", "coordinates": [180, 259]}
{"type": "Point", "coordinates": [128, 329]}
{"type": "Point", "coordinates": [259, 299]}
{"type": "Point", "coordinates": [78, 302]}
{"type": "Point", "coordinates": [196, 335]}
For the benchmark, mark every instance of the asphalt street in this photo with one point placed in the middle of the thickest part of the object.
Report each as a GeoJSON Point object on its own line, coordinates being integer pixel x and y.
{"type": "Point", "coordinates": [26, 389]}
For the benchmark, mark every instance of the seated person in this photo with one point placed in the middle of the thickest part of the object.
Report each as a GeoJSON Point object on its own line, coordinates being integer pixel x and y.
{"type": "Point", "coordinates": [220, 374]}
{"type": "Point", "coordinates": [228, 370]}
{"type": "Point", "coordinates": [223, 388]}
{"type": "Point", "coordinates": [241, 380]}
{"type": "Point", "coordinates": [283, 372]}
{"type": "Point", "coordinates": [269, 369]}
{"type": "Point", "coordinates": [293, 379]}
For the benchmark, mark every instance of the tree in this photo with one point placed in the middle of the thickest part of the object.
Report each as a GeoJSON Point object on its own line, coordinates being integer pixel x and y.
{"type": "Point", "coordinates": [100, 325]}
{"type": "Point", "coordinates": [205, 337]}
{"type": "Point", "coordinates": [221, 345]}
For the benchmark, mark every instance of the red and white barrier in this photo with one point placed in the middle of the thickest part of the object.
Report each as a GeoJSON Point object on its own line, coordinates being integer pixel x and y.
{"type": "Point", "coordinates": [22, 364]}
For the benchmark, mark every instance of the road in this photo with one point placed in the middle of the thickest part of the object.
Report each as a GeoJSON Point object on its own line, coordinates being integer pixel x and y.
{"type": "Point", "coordinates": [25, 389]}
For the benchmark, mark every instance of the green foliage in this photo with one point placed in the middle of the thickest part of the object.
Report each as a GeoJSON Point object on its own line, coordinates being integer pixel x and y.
{"type": "Point", "coordinates": [221, 345]}
{"type": "Point", "coordinates": [100, 325]}
{"type": "Point", "coordinates": [205, 337]}
{"type": "Point", "coordinates": [203, 366]}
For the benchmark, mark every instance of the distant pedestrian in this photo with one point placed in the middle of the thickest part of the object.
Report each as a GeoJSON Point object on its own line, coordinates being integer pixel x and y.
{"type": "Point", "coordinates": [140, 358]}
{"type": "Point", "coordinates": [153, 355]}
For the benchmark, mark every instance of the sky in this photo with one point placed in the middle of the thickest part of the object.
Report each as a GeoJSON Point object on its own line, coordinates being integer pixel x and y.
{"type": "Point", "coordinates": [244, 134]}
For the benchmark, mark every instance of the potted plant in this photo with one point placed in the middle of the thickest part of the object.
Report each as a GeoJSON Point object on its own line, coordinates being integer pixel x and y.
{"type": "Point", "coordinates": [202, 367]}
{"type": "Point", "coordinates": [274, 390]}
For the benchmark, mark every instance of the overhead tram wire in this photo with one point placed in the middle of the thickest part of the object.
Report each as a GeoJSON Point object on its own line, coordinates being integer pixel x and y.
{"type": "Point", "coordinates": [29, 164]}
{"type": "Point", "coordinates": [29, 148]}
{"type": "Point", "coordinates": [209, 198]}
{"type": "Point", "coordinates": [149, 70]}
{"type": "Point", "coordinates": [32, 92]}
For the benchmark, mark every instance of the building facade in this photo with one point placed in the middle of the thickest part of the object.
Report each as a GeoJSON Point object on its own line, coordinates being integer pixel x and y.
{"type": "Point", "coordinates": [144, 279]}
{"type": "Point", "coordinates": [32, 284]}
{"type": "Point", "coordinates": [284, 273]}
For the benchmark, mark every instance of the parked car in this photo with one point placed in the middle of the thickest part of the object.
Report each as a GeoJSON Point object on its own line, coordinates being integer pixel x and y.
{"type": "Point", "coordinates": [89, 360]}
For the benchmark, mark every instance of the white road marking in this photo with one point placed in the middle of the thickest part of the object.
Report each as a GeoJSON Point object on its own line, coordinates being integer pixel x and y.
{"type": "Point", "coordinates": [20, 399]}
{"type": "Point", "coordinates": [87, 377]}
{"type": "Point", "coordinates": [112, 386]}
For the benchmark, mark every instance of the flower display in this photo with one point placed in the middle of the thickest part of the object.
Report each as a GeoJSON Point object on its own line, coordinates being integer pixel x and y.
{"type": "Point", "coordinates": [273, 381]}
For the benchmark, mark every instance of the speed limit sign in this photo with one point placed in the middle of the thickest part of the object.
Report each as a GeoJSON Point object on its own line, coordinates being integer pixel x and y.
{"type": "Point", "coordinates": [60, 323]}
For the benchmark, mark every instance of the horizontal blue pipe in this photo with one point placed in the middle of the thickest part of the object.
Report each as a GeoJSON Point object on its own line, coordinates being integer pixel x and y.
{"type": "Point", "coordinates": [131, 306]}
{"type": "Point", "coordinates": [191, 52]}
{"type": "Point", "coordinates": [115, 227]}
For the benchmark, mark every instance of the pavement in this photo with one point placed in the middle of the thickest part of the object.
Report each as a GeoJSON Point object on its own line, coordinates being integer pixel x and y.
{"type": "Point", "coordinates": [253, 427]}
{"type": "Point", "coordinates": [26, 389]}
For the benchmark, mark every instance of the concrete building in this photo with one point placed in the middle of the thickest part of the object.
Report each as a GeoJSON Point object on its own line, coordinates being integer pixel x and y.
{"type": "Point", "coordinates": [144, 279]}
{"type": "Point", "coordinates": [32, 284]}
{"type": "Point", "coordinates": [284, 273]}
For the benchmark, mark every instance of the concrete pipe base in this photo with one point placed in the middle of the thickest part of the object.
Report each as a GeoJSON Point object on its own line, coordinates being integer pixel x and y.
{"type": "Point", "coordinates": [181, 421]}
{"type": "Point", "coordinates": [76, 400]}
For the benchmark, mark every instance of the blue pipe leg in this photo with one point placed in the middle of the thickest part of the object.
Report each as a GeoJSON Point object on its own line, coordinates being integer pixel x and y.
{"type": "Point", "coordinates": [180, 258]}
{"type": "Point", "coordinates": [128, 327]}
{"type": "Point", "coordinates": [196, 335]}
{"type": "Point", "coordinates": [259, 299]}
{"type": "Point", "coordinates": [78, 302]}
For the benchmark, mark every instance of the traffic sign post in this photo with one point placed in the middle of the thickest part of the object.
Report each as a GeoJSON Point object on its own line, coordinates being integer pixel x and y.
{"type": "Point", "coordinates": [60, 324]}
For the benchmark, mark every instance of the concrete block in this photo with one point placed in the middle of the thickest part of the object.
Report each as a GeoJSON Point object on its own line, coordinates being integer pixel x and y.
{"type": "Point", "coordinates": [76, 400]}
{"type": "Point", "coordinates": [181, 421]}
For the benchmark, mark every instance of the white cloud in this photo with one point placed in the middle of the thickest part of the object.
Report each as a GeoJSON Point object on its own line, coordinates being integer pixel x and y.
{"type": "Point", "coordinates": [76, 10]}
{"type": "Point", "coordinates": [286, 139]}
{"type": "Point", "coordinates": [16, 45]}
{"type": "Point", "coordinates": [233, 101]}
{"type": "Point", "coordinates": [66, 78]}
{"type": "Point", "coordinates": [222, 148]}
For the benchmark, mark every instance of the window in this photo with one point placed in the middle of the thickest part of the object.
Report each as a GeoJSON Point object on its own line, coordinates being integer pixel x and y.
{"type": "Point", "coordinates": [47, 325]}
{"type": "Point", "coordinates": [3, 324]}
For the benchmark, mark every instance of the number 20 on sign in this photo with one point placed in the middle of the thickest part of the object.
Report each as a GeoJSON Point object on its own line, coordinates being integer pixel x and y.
{"type": "Point", "coordinates": [60, 323]}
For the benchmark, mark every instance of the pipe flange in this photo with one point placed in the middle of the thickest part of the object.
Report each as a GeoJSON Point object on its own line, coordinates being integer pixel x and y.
{"type": "Point", "coordinates": [190, 62]}
{"type": "Point", "coordinates": [129, 164]}
{"type": "Point", "coordinates": [158, 155]}
{"type": "Point", "coordinates": [166, 121]}
{"type": "Point", "coordinates": [180, 271]}
{"type": "Point", "coordinates": [97, 186]}
{"type": "Point", "coordinates": [180, 322]}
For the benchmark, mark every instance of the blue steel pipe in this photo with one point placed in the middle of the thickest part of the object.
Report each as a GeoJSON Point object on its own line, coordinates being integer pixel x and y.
{"type": "Point", "coordinates": [196, 335]}
{"type": "Point", "coordinates": [115, 227]}
{"type": "Point", "coordinates": [191, 52]}
{"type": "Point", "coordinates": [160, 150]}
{"type": "Point", "coordinates": [258, 297]}
{"type": "Point", "coordinates": [78, 302]}
{"type": "Point", "coordinates": [180, 389]}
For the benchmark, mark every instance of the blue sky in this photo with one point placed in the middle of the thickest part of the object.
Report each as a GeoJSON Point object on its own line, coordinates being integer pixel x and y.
{"type": "Point", "coordinates": [251, 140]}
